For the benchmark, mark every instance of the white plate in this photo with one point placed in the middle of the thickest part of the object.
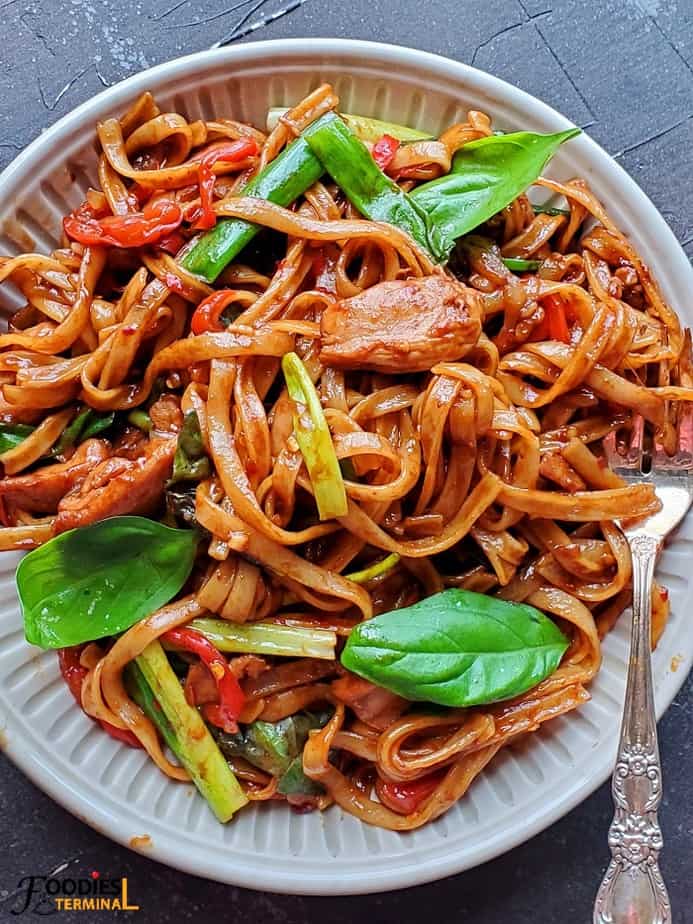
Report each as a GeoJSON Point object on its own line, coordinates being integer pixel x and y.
{"type": "Point", "coordinates": [118, 790]}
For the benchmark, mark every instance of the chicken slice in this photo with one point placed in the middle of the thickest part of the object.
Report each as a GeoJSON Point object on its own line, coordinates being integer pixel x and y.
{"type": "Point", "coordinates": [119, 486]}
{"type": "Point", "coordinates": [407, 325]}
{"type": "Point", "coordinates": [373, 705]}
{"type": "Point", "coordinates": [41, 491]}
{"type": "Point", "coordinates": [166, 415]}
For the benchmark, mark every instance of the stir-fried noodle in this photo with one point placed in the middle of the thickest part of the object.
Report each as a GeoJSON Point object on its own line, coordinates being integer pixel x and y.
{"type": "Point", "coordinates": [466, 406]}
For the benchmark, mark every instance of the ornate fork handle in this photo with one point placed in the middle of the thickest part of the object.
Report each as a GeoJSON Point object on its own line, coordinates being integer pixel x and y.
{"type": "Point", "coordinates": [633, 891]}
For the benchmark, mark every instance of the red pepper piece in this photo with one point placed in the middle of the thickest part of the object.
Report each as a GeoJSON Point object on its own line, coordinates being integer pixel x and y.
{"type": "Point", "coordinates": [555, 325]}
{"type": "Point", "coordinates": [384, 151]}
{"type": "Point", "coordinates": [73, 673]}
{"type": "Point", "coordinates": [207, 315]}
{"type": "Point", "coordinates": [324, 271]}
{"type": "Point", "coordinates": [137, 229]}
{"type": "Point", "coordinates": [231, 698]}
{"type": "Point", "coordinates": [406, 798]}
{"type": "Point", "coordinates": [557, 321]}
{"type": "Point", "coordinates": [230, 152]}
{"type": "Point", "coordinates": [172, 243]}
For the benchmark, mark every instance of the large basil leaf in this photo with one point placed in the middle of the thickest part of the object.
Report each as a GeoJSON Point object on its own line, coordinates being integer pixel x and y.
{"type": "Point", "coordinates": [486, 175]}
{"type": "Point", "coordinates": [456, 648]}
{"type": "Point", "coordinates": [100, 580]}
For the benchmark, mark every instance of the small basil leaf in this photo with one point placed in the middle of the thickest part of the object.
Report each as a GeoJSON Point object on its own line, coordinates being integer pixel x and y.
{"type": "Point", "coordinates": [190, 437]}
{"type": "Point", "coordinates": [294, 781]}
{"type": "Point", "coordinates": [180, 505]}
{"type": "Point", "coordinates": [190, 462]}
{"type": "Point", "coordinates": [486, 175]}
{"type": "Point", "coordinates": [456, 648]}
{"type": "Point", "coordinates": [11, 435]}
{"type": "Point", "coordinates": [100, 580]}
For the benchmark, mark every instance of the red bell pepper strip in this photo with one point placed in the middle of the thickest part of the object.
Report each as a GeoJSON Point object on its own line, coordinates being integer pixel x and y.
{"type": "Point", "coordinates": [406, 798]}
{"type": "Point", "coordinates": [207, 315]}
{"type": "Point", "coordinates": [231, 698]}
{"type": "Point", "coordinates": [73, 673]}
{"type": "Point", "coordinates": [229, 153]}
{"type": "Point", "coordinates": [384, 151]}
{"type": "Point", "coordinates": [137, 229]}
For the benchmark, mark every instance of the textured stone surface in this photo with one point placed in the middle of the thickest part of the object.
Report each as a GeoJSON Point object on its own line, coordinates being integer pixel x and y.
{"type": "Point", "coordinates": [623, 69]}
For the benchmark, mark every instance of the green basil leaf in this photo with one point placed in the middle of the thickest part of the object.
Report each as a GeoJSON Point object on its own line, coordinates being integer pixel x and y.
{"type": "Point", "coordinates": [486, 175]}
{"type": "Point", "coordinates": [456, 648]}
{"type": "Point", "coordinates": [190, 437]}
{"type": "Point", "coordinates": [12, 435]}
{"type": "Point", "coordinates": [100, 580]}
{"type": "Point", "coordinates": [190, 462]}
{"type": "Point", "coordinates": [272, 746]}
{"type": "Point", "coordinates": [294, 782]}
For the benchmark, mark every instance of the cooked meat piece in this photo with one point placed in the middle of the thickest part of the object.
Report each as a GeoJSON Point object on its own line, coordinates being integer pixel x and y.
{"type": "Point", "coordinates": [166, 415]}
{"type": "Point", "coordinates": [119, 486]}
{"type": "Point", "coordinates": [200, 685]}
{"type": "Point", "coordinates": [372, 704]}
{"type": "Point", "coordinates": [248, 665]}
{"type": "Point", "coordinates": [41, 491]}
{"type": "Point", "coordinates": [131, 443]}
{"type": "Point", "coordinates": [286, 676]}
{"type": "Point", "coordinates": [402, 326]}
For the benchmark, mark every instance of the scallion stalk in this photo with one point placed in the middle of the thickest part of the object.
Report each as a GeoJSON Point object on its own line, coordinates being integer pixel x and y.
{"type": "Point", "coordinates": [140, 419]}
{"type": "Point", "coordinates": [194, 745]}
{"type": "Point", "coordinates": [363, 127]}
{"type": "Point", "coordinates": [375, 570]}
{"type": "Point", "coordinates": [549, 210]}
{"type": "Point", "coordinates": [282, 181]}
{"type": "Point", "coordinates": [518, 265]}
{"type": "Point", "coordinates": [348, 161]}
{"type": "Point", "coordinates": [314, 440]}
{"type": "Point", "coordinates": [268, 638]}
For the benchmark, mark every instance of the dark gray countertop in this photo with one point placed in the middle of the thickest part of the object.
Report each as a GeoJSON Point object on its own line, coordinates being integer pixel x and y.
{"type": "Point", "coordinates": [622, 68]}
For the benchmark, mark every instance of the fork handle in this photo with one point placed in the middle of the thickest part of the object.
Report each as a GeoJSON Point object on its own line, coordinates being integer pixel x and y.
{"type": "Point", "coordinates": [633, 891]}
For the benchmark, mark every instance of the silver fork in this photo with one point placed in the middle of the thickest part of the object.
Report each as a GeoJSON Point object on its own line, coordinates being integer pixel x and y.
{"type": "Point", "coordinates": [633, 891]}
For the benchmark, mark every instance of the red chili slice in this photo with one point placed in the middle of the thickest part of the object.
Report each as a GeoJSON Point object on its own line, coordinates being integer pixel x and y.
{"type": "Point", "coordinates": [207, 315]}
{"type": "Point", "coordinates": [231, 698]}
{"type": "Point", "coordinates": [384, 151]}
{"type": "Point", "coordinates": [230, 152]}
{"type": "Point", "coordinates": [73, 673]}
{"type": "Point", "coordinates": [406, 798]}
{"type": "Point", "coordinates": [137, 229]}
